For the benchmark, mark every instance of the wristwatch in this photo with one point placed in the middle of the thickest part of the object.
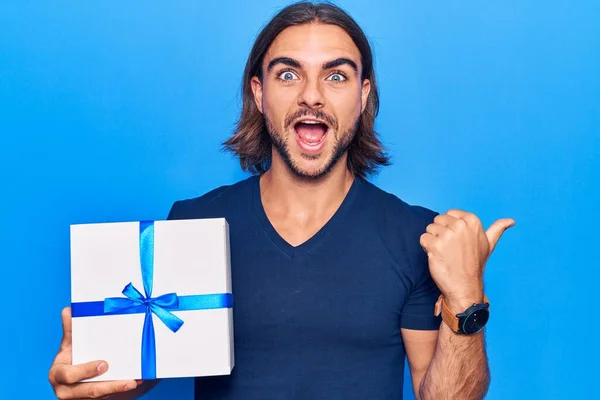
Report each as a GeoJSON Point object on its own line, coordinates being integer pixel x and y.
{"type": "Point", "coordinates": [468, 322]}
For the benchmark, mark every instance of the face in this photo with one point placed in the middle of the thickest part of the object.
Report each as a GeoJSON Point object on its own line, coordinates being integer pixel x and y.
{"type": "Point", "coordinates": [311, 97]}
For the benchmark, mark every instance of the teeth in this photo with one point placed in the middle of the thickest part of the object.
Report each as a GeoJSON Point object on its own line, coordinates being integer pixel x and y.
{"type": "Point", "coordinates": [311, 122]}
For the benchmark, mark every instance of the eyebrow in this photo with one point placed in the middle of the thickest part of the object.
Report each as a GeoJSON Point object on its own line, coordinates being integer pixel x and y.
{"type": "Point", "coordinates": [340, 61]}
{"type": "Point", "coordinates": [327, 65]}
{"type": "Point", "coordinates": [283, 60]}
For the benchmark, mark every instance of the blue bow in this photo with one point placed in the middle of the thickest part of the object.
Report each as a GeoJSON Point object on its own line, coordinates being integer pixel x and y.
{"type": "Point", "coordinates": [135, 303]}
{"type": "Point", "coordinates": [158, 305]}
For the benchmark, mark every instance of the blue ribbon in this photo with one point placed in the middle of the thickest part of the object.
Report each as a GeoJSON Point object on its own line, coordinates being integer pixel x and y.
{"type": "Point", "coordinates": [135, 302]}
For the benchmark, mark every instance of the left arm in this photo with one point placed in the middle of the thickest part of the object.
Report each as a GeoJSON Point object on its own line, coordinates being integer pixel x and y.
{"type": "Point", "coordinates": [420, 347]}
{"type": "Point", "coordinates": [454, 365]}
{"type": "Point", "coordinates": [444, 365]}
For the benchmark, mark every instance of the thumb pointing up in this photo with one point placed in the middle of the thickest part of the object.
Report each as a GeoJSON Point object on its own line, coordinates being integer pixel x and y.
{"type": "Point", "coordinates": [496, 230]}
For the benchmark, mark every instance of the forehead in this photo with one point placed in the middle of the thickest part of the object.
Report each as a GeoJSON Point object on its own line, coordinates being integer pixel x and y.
{"type": "Point", "coordinates": [313, 43]}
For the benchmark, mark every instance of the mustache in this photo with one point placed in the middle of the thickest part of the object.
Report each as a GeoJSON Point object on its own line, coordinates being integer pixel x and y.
{"type": "Point", "coordinates": [332, 122]}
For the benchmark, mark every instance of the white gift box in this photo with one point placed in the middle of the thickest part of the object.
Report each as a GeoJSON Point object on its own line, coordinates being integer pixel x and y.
{"type": "Point", "coordinates": [187, 260]}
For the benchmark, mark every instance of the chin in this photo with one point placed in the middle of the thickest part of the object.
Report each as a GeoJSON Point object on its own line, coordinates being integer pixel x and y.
{"type": "Point", "coordinates": [312, 166]}
{"type": "Point", "coordinates": [309, 150]}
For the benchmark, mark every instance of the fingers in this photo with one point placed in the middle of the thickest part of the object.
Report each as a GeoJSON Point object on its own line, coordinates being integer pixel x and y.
{"type": "Point", "coordinates": [452, 219]}
{"type": "Point", "coordinates": [67, 330]}
{"type": "Point", "coordinates": [453, 223]}
{"type": "Point", "coordinates": [470, 218]}
{"type": "Point", "coordinates": [69, 374]}
{"type": "Point", "coordinates": [496, 230]}
{"type": "Point", "coordinates": [436, 229]}
{"type": "Point", "coordinates": [440, 227]}
{"type": "Point", "coordinates": [457, 213]}
{"type": "Point", "coordinates": [94, 390]}
{"type": "Point", "coordinates": [66, 380]}
{"type": "Point", "coordinates": [442, 224]}
{"type": "Point", "coordinates": [427, 241]}
{"type": "Point", "coordinates": [444, 220]}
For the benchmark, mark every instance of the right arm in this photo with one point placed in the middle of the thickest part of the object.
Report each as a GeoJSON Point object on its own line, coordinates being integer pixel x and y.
{"type": "Point", "coordinates": [66, 378]}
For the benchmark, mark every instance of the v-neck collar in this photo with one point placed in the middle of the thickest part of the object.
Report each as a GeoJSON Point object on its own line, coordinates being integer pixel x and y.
{"type": "Point", "coordinates": [290, 250]}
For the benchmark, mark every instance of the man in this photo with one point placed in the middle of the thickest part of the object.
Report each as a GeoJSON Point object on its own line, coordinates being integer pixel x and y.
{"type": "Point", "coordinates": [335, 280]}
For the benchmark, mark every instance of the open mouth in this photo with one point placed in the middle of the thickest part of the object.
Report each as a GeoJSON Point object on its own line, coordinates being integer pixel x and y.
{"type": "Point", "coordinates": [311, 133]}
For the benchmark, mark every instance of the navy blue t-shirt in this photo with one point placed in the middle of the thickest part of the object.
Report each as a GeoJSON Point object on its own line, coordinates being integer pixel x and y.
{"type": "Point", "coordinates": [321, 320]}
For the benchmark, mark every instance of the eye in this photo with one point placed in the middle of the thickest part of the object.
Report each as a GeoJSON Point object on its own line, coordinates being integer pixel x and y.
{"type": "Point", "coordinates": [287, 76]}
{"type": "Point", "coordinates": [337, 77]}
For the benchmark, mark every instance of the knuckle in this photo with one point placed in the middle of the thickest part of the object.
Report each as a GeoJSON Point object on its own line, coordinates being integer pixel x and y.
{"type": "Point", "coordinates": [460, 224]}
{"type": "Point", "coordinates": [57, 375]}
{"type": "Point", "coordinates": [471, 219]}
{"type": "Point", "coordinates": [445, 236]}
{"type": "Point", "coordinates": [68, 377]}
{"type": "Point", "coordinates": [93, 392]}
{"type": "Point", "coordinates": [51, 378]}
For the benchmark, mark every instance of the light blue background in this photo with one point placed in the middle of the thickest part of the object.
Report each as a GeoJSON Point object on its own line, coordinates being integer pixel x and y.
{"type": "Point", "coordinates": [112, 110]}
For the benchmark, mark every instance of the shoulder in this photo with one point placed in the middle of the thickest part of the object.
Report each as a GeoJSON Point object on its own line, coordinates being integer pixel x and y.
{"type": "Point", "coordinates": [213, 203]}
{"type": "Point", "coordinates": [400, 225]}
{"type": "Point", "coordinates": [396, 212]}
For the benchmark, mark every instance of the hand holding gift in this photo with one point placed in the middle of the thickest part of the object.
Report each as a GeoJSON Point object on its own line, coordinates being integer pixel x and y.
{"type": "Point", "coordinates": [66, 378]}
{"type": "Point", "coordinates": [152, 299]}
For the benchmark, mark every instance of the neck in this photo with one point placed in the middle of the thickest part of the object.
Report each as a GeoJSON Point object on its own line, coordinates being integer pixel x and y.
{"type": "Point", "coordinates": [285, 193]}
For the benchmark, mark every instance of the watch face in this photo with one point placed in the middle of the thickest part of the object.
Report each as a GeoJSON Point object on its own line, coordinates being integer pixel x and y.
{"type": "Point", "coordinates": [476, 321]}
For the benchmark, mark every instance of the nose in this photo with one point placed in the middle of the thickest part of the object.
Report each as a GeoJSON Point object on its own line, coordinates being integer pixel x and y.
{"type": "Point", "coordinates": [311, 94]}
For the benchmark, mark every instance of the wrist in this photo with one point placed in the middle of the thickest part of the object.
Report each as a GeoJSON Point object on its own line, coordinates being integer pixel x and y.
{"type": "Point", "coordinates": [459, 302]}
{"type": "Point", "coordinates": [464, 315]}
{"type": "Point", "coordinates": [460, 305]}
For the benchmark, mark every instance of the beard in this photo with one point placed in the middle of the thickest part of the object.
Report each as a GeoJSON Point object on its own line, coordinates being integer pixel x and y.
{"type": "Point", "coordinates": [341, 144]}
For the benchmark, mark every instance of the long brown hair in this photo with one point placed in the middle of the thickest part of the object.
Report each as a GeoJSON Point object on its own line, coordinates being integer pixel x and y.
{"type": "Point", "coordinates": [251, 141]}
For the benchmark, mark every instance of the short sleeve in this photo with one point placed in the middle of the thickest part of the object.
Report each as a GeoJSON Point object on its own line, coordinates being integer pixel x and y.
{"type": "Point", "coordinates": [418, 311]}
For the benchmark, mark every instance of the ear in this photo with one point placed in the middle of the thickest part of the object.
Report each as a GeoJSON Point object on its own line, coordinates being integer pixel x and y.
{"type": "Point", "coordinates": [257, 90]}
{"type": "Point", "coordinates": [365, 90]}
